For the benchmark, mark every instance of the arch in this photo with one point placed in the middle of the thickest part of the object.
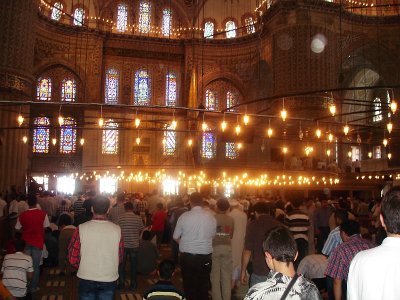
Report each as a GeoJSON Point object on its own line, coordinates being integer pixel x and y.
{"type": "Point", "coordinates": [233, 78]}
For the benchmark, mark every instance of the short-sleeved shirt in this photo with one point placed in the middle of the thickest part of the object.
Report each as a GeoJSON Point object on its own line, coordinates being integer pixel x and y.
{"type": "Point", "coordinates": [15, 268]}
{"type": "Point", "coordinates": [340, 259]}
{"type": "Point", "coordinates": [131, 226]}
{"type": "Point", "coordinates": [32, 223]}
{"type": "Point", "coordinates": [225, 227]}
{"type": "Point", "coordinates": [332, 241]}
{"type": "Point", "coordinates": [158, 219]}
{"type": "Point", "coordinates": [255, 235]}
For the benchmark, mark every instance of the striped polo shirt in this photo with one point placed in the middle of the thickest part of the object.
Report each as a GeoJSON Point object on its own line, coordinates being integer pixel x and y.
{"type": "Point", "coordinates": [15, 267]}
{"type": "Point", "coordinates": [298, 223]}
{"type": "Point", "coordinates": [131, 226]}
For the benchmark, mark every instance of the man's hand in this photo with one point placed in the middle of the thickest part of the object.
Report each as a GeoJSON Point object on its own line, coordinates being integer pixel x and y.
{"type": "Point", "coordinates": [243, 277]}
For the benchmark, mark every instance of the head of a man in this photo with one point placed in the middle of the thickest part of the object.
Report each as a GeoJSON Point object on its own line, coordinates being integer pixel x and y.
{"type": "Point", "coordinates": [349, 228]}
{"type": "Point", "coordinates": [166, 269]}
{"type": "Point", "coordinates": [128, 206]}
{"type": "Point", "coordinates": [32, 200]}
{"type": "Point", "coordinates": [390, 211]}
{"type": "Point", "coordinates": [223, 205]}
{"type": "Point", "coordinates": [262, 208]}
{"type": "Point", "coordinates": [196, 199]}
{"type": "Point", "coordinates": [341, 215]}
{"type": "Point", "coordinates": [101, 205]}
{"type": "Point", "coordinates": [279, 246]}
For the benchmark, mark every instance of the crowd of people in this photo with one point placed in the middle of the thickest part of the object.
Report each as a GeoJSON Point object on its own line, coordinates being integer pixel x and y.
{"type": "Point", "coordinates": [295, 248]}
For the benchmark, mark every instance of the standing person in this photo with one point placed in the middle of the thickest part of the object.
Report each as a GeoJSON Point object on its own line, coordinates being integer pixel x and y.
{"type": "Point", "coordinates": [374, 273]}
{"type": "Point", "coordinates": [131, 227]}
{"type": "Point", "coordinates": [194, 232]}
{"type": "Point", "coordinates": [96, 249]}
{"type": "Point", "coordinates": [32, 223]}
{"type": "Point", "coordinates": [175, 213]}
{"type": "Point", "coordinates": [66, 232]}
{"type": "Point", "coordinates": [240, 222]}
{"type": "Point", "coordinates": [339, 261]}
{"type": "Point", "coordinates": [117, 210]}
{"type": "Point", "coordinates": [255, 234]}
{"type": "Point", "coordinates": [221, 271]}
{"type": "Point", "coordinates": [280, 252]}
{"type": "Point", "coordinates": [153, 200]}
{"type": "Point", "coordinates": [321, 223]}
{"type": "Point", "coordinates": [158, 223]}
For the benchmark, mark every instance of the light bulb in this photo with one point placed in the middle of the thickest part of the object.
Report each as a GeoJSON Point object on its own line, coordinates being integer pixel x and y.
{"type": "Point", "coordinates": [101, 122]}
{"type": "Point", "coordinates": [318, 133]}
{"type": "Point", "coordinates": [137, 122]}
{"type": "Point", "coordinates": [284, 150]}
{"type": "Point", "coordinates": [332, 109]}
{"type": "Point", "coordinates": [239, 145]}
{"type": "Point", "coordinates": [25, 139]}
{"type": "Point", "coordinates": [82, 141]}
{"type": "Point", "coordinates": [54, 141]}
{"type": "Point", "coordinates": [20, 120]}
{"type": "Point", "coordinates": [370, 154]}
{"type": "Point", "coordinates": [346, 129]}
{"type": "Point", "coordinates": [138, 140]}
{"type": "Point", "coordinates": [389, 155]}
{"type": "Point", "coordinates": [223, 125]}
{"type": "Point", "coordinates": [330, 137]}
{"type": "Point", "coordinates": [393, 107]}
{"type": "Point", "coordinates": [269, 132]}
{"type": "Point", "coordinates": [385, 142]}
{"type": "Point", "coordinates": [164, 141]}
{"type": "Point", "coordinates": [204, 126]}
{"type": "Point", "coordinates": [349, 154]}
{"type": "Point", "coordinates": [389, 127]}
{"type": "Point", "coordinates": [174, 124]}
{"type": "Point", "coordinates": [328, 152]}
{"type": "Point", "coordinates": [237, 129]}
{"type": "Point", "coordinates": [190, 142]}
{"type": "Point", "coordinates": [60, 120]}
{"type": "Point", "coordinates": [283, 114]}
{"type": "Point", "coordinates": [246, 119]}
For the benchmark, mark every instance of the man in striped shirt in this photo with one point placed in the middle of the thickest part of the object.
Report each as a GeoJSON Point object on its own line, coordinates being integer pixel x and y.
{"type": "Point", "coordinates": [298, 223]}
{"type": "Point", "coordinates": [131, 227]}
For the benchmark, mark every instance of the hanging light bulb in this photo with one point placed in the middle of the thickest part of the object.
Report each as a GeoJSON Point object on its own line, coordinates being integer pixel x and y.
{"type": "Point", "coordinates": [239, 145]}
{"type": "Point", "coordinates": [389, 155]}
{"type": "Point", "coordinates": [237, 129]}
{"type": "Point", "coordinates": [223, 125]}
{"type": "Point", "coordinates": [318, 133]}
{"type": "Point", "coordinates": [20, 120]}
{"type": "Point", "coordinates": [54, 141]}
{"type": "Point", "coordinates": [138, 140]}
{"type": "Point", "coordinates": [332, 109]}
{"type": "Point", "coordinates": [283, 114]}
{"type": "Point", "coordinates": [137, 122]}
{"type": "Point", "coordinates": [60, 120]}
{"type": "Point", "coordinates": [270, 132]}
{"type": "Point", "coordinates": [349, 154]}
{"type": "Point", "coordinates": [370, 154]}
{"type": "Point", "coordinates": [246, 119]}
{"type": "Point", "coordinates": [174, 124]}
{"type": "Point", "coordinates": [385, 142]}
{"type": "Point", "coordinates": [25, 139]}
{"type": "Point", "coordinates": [204, 126]}
{"type": "Point", "coordinates": [164, 141]}
{"type": "Point", "coordinates": [328, 152]}
{"type": "Point", "coordinates": [330, 137]}
{"type": "Point", "coordinates": [284, 150]}
{"type": "Point", "coordinates": [82, 141]}
{"type": "Point", "coordinates": [389, 127]}
{"type": "Point", "coordinates": [346, 129]}
{"type": "Point", "coordinates": [101, 122]}
{"type": "Point", "coordinates": [301, 134]}
{"type": "Point", "coordinates": [393, 106]}
{"type": "Point", "coordinates": [190, 142]}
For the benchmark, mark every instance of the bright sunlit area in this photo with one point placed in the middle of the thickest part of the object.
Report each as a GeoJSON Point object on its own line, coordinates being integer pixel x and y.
{"type": "Point", "coordinates": [42, 180]}
{"type": "Point", "coordinates": [108, 185]}
{"type": "Point", "coordinates": [66, 185]}
{"type": "Point", "coordinates": [170, 187]}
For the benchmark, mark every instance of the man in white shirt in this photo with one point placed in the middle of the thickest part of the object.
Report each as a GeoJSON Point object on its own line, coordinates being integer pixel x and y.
{"type": "Point", "coordinates": [374, 273]}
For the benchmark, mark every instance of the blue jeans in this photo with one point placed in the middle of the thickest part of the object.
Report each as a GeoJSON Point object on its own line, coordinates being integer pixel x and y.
{"type": "Point", "coordinates": [36, 255]}
{"type": "Point", "coordinates": [96, 290]}
{"type": "Point", "coordinates": [132, 253]}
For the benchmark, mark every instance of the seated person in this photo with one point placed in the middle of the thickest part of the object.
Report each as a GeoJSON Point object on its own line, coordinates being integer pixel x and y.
{"type": "Point", "coordinates": [282, 281]}
{"type": "Point", "coordinates": [164, 289]}
{"type": "Point", "coordinates": [147, 255]}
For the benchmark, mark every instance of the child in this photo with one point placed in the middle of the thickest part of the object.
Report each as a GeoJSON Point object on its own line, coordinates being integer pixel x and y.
{"type": "Point", "coordinates": [147, 255]}
{"type": "Point", "coordinates": [164, 289]}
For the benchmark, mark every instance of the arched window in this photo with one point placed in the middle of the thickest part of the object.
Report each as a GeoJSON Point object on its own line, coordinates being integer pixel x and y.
{"type": "Point", "coordinates": [211, 100]}
{"type": "Point", "coordinates": [209, 30]}
{"type": "Point", "coordinates": [144, 16]}
{"type": "Point", "coordinates": [142, 90]}
{"type": "Point", "coordinates": [208, 145]}
{"type": "Point", "coordinates": [56, 11]}
{"type": "Point", "coordinates": [231, 100]}
{"type": "Point", "coordinates": [68, 136]}
{"type": "Point", "coordinates": [122, 17]}
{"type": "Point", "coordinates": [41, 135]}
{"type": "Point", "coordinates": [231, 150]}
{"type": "Point", "coordinates": [230, 28]}
{"type": "Point", "coordinates": [44, 89]}
{"type": "Point", "coordinates": [167, 22]}
{"type": "Point", "coordinates": [169, 141]}
{"type": "Point", "coordinates": [249, 25]}
{"type": "Point", "coordinates": [377, 115]}
{"type": "Point", "coordinates": [79, 16]}
{"type": "Point", "coordinates": [112, 86]}
{"type": "Point", "coordinates": [68, 90]}
{"type": "Point", "coordinates": [110, 138]}
{"type": "Point", "coordinates": [170, 89]}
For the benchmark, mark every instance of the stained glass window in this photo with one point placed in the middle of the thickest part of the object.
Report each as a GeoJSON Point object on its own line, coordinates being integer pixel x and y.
{"type": "Point", "coordinates": [230, 28]}
{"type": "Point", "coordinates": [56, 11]}
{"type": "Point", "coordinates": [231, 100]}
{"type": "Point", "coordinates": [122, 17]}
{"type": "Point", "coordinates": [208, 145]}
{"type": "Point", "coordinates": [68, 90]}
{"type": "Point", "coordinates": [68, 136]}
{"type": "Point", "coordinates": [112, 86]}
{"type": "Point", "coordinates": [249, 25]}
{"type": "Point", "coordinates": [44, 89]}
{"type": "Point", "coordinates": [41, 135]}
{"type": "Point", "coordinates": [142, 89]}
{"type": "Point", "coordinates": [211, 100]}
{"type": "Point", "coordinates": [79, 16]}
{"type": "Point", "coordinates": [388, 101]}
{"type": "Point", "coordinates": [110, 138]}
{"type": "Point", "coordinates": [377, 115]}
{"type": "Point", "coordinates": [167, 22]}
{"type": "Point", "coordinates": [144, 16]}
{"type": "Point", "coordinates": [231, 151]}
{"type": "Point", "coordinates": [209, 30]}
{"type": "Point", "coordinates": [171, 89]}
{"type": "Point", "coordinates": [169, 141]}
